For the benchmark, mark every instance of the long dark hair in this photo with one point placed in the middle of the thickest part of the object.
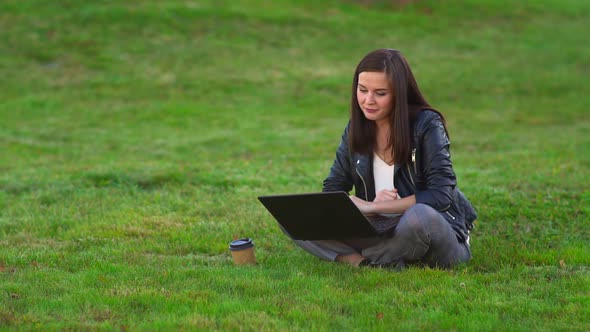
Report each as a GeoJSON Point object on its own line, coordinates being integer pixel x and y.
{"type": "Point", "coordinates": [408, 102]}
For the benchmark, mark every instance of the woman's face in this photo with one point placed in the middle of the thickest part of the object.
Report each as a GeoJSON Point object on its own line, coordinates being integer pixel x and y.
{"type": "Point", "coordinates": [375, 96]}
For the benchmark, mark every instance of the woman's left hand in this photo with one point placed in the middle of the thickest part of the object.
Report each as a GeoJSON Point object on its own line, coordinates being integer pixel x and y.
{"type": "Point", "coordinates": [386, 195]}
{"type": "Point", "coordinates": [364, 206]}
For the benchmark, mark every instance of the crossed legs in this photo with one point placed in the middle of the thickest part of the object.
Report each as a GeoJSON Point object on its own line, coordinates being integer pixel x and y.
{"type": "Point", "coordinates": [422, 236]}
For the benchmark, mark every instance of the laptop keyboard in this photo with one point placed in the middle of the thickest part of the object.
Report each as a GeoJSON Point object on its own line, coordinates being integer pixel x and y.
{"type": "Point", "coordinates": [383, 224]}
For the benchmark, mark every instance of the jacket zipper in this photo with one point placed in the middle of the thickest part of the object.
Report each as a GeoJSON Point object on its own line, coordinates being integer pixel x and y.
{"type": "Point", "coordinates": [414, 164]}
{"type": "Point", "coordinates": [411, 178]}
{"type": "Point", "coordinates": [414, 160]}
{"type": "Point", "coordinates": [362, 179]}
{"type": "Point", "coordinates": [450, 215]}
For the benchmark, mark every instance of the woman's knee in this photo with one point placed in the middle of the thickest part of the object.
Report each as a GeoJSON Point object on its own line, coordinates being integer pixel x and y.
{"type": "Point", "coordinates": [423, 211]}
{"type": "Point", "coordinates": [417, 218]}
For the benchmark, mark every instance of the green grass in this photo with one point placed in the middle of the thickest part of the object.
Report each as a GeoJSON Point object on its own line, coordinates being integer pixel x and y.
{"type": "Point", "coordinates": [136, 137]}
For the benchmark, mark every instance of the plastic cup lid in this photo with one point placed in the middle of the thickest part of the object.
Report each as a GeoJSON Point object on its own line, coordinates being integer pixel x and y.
{"type": "Point", "coordinates": [241, 244]}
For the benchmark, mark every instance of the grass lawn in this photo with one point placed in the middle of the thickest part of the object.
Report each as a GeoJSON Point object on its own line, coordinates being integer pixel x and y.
{"type": "Point", "coordinates": [136, 135]}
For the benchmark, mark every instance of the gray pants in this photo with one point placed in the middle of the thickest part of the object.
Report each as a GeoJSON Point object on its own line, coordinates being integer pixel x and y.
{"type": "Point", "coordinates": [423, 236]}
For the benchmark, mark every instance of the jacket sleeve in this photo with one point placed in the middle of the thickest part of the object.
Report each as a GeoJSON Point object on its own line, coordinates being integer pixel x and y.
{"type": "Point", "coordinates": [437, 169]}
{"type": "Point", "coordinates": [340, 176]}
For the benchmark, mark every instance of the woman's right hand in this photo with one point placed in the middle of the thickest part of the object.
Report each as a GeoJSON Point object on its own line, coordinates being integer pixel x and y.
{"type": "Point", "coordinates": [364, 206]}
{"type": "Point", "coordinates": [386, 195]}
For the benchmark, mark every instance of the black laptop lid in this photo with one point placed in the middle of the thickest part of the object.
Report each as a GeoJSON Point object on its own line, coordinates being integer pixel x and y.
{"type": "Point", "coordinates": [318, 216]}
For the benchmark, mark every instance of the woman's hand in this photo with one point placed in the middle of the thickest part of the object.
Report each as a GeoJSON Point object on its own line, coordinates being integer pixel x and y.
{"type": "Point", "coordinates": [364, 206]}
{"type": "Point", "coordinates": [396, 205]}
{"type": "Point", "coordinates": [386, 195]}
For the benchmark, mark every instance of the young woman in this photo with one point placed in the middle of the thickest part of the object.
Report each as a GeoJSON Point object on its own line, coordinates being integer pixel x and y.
{"type": "Point", "coordinates": [395, 153]}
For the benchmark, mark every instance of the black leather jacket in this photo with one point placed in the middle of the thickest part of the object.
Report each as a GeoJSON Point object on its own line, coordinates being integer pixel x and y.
{"type": "Point", "coordinates": [429, 175]}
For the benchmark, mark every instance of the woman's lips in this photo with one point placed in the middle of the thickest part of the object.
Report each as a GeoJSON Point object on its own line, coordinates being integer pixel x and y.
{"type": "Point", "coordinates": [371, 110]}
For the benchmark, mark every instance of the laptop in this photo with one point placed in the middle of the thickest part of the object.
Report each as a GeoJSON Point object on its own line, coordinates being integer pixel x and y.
{"type": "Point", "coordinates": [325, 216]}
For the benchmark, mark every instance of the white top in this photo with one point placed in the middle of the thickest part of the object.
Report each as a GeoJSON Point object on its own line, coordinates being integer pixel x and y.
{"type": "Point", "coordinates": [383, 174]}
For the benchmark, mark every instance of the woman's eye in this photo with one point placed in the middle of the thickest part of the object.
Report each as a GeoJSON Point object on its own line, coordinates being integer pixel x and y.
{"type": "Point", "coordinates": [381, 93]}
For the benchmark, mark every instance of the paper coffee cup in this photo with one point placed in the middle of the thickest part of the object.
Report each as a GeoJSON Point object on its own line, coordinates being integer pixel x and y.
{"type": "Point", "coordinates": [242, 251]}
